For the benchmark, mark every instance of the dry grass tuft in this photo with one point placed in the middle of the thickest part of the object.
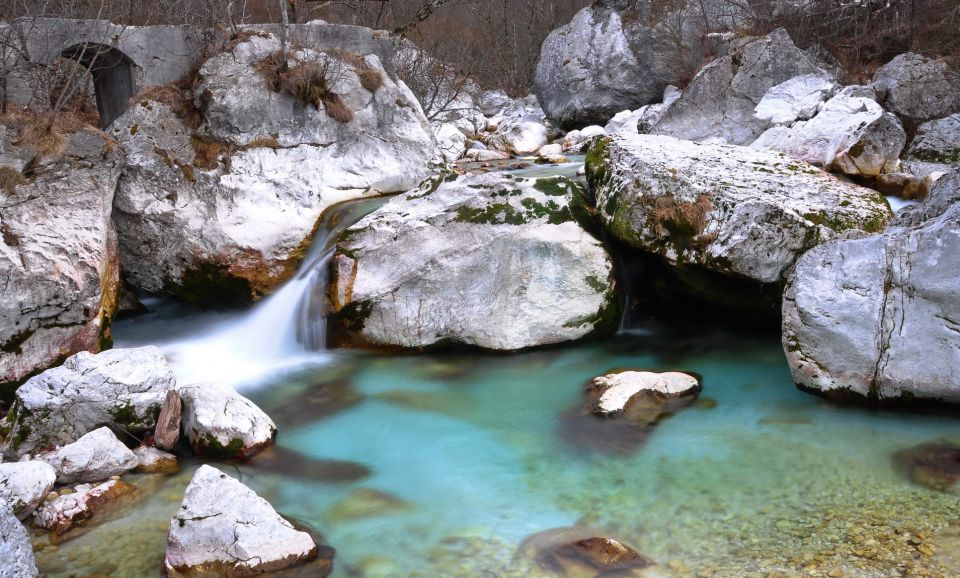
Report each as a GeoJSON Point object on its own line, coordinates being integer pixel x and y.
{"type": "Point", "coordinates": [175, 98]}
{"type": "Point", "coordinates": [265, 142]}
{"type": "Point", "coordinates": [208, 152]}
{"type": "Point", "coordinates": [305, 81]}
{"type": "Point", "coordinates": [371, 79]}
{"type": "Point", "coordinates": [680, 219]}
{"type": "Point", "coordinates": [45, 135]}
{"type": "Point", "coordinates": [10, 179]}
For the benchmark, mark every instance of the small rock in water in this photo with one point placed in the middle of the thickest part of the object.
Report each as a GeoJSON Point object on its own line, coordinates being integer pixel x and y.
{"type": "Point", "coordinates": [223, 424]}
{"type": "Point", "coordinates": [71, 510]}
{"type": "Point", "coordinates": [935, 465]}
{"type": "Point", "coordinates": [279, 460]}
{"type": "Point", "coordinates": [167, 432]}
{"type": "Point", "coordinates": [580, 552]}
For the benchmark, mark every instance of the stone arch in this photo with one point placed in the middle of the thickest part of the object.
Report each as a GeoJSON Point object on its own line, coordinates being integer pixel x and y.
{"type": "Point", "coordinates": [114, 77]}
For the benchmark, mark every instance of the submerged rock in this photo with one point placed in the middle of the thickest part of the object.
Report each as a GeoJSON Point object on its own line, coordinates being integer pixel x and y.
{"type": "Point", "coordinates": [579, 552]}
{"type": "Point", "coordinates": [16, 552]}
{"type": "Point", "coordinates": [121, 388]}
{"type": "Point", "coordinates": [222, 213]}
{"type": "Point", "coordinates": [366, 503]}
{"type": "Point", "coordinates": [878, 317]}
{"type": "Point", "coordinates": [850, 135]}
{"type": "Point", "coordinates": [720, 101]}
{"type": "Point", "coordinates": [488, 260]}
{"type": "Point", "coordinates": [278, 460]}
{"type": "Point", "coordinates": [224, 529]}
{"type": "Point", "coordinates": [74, 509]}
{"type": "Point", "coordinates": [221, 423]}
{"type": "Point", "coordinates": [94, 457]}
{"type": "Point", "coordinates": [917, 88]}
{"type": "Point", "coordinates": [58, 259]}
{"type": "Point", "coordinates": [25, 484]}
{"type": "Point", "coordinates": [729, 209]}
{"type": "Point", "coordinates": [935, 465]}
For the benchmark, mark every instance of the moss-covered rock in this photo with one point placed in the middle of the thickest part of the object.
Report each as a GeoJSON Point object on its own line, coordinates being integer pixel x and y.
{"type": "Point", "coordinates": [489, 260]}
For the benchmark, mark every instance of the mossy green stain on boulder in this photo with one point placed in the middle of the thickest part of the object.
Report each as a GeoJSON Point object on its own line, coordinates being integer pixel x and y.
{"type": "Point", "coordinates": [431, 184]}
{"type": "Point", "coordinates": [553, 186]}
{"type": "Point", "coordinates": [208, 445]}
{"type": "Point", "coordinates": [354, 315]}
{"type": "Point", "coordinates": [596, 162]}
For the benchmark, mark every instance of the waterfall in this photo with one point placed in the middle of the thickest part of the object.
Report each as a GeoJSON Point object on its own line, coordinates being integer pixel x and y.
{"type": "Point", "coordinates": [286, 330]}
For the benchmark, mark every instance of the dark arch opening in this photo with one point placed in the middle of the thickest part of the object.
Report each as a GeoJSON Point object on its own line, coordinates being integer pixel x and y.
{"type": "Point", "coordinates": [114, 82]}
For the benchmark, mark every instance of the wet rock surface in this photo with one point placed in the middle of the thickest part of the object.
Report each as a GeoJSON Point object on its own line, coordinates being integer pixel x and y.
{"type": "Point", "coordinates": [935, 465]}
{"type": "Point", "coordinates": [221, 423]}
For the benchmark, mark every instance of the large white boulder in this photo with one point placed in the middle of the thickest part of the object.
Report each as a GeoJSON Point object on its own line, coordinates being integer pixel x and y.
{"type": "Point", "coordinates": [16, 551]}
{"type": "Point", "coordinates": [720, 101]}
{"type": "Point", "coordinates": [489, 260]}
{"type": "Point", "coordinates": [94, 457]}
{"type": "Point", "coordinates": [224, 529]}
{"type": "Point", "coordinates": [221, 423]}
{"type": "Point", "coordinates": [25, 484]}
{"type": "Point", "coordinates": [850, 135]}
{"type": "Point", "coordinates": [120, 388]}
{"type": "Point", "coordinates": [225, 211]}
{"type": "Point", "coordinates": [730, 209]}
{"type": "Point", "coordinates": [59, 263]}
{"type": "Point", "coordinates": [917, 88]}
{"type": "Point", "coordinates": [451, 142]}
{"type": "Point", "coordinates": [878, 317]}
{"type": "Point", "coordinates": [609, 58]}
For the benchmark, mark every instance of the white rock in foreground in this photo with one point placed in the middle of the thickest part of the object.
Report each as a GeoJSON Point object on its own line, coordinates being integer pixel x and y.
{"type": "Point", "coordinates": [221, 423]}
{"type": "Point", "coordinates": [224, 529]}
{"type": "Point", "coordinates": [619, 388]}
{"type": "Point", "coordinates": [16, 551]}
{"type": "Point", "coordinates": [25, 484]}
{"type": "Point", "coordinates": [878, 318]}
{"type": "Point", "coordinates": [120, 388]}
{"type": "Point", "coordinates": [93, 458]}
{"type": "Point", "coordinates": [489, 260]}
{"type": "Point", "coordinates": [730, 209]}
{"type": "Point", "coordinates": [850, 135]}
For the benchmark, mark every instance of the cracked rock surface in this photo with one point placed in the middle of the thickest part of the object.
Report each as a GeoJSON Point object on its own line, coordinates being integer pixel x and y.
{"type": "Point", "coordinates": [93, 458]}
{"type": "Point", "coordinates": [224, 529]}
{"type": "Point", "coordinates": [877, 317]}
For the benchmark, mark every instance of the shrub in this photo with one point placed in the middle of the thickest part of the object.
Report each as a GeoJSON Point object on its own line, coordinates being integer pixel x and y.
{"type": "Point", "coordinates": [371, 79]}
{"type": "Point", "coordinates": [305, 81]}
{"type": "Point", "coordinates": [46, 135]}
{"type": "Point", "coordinates": [208, 152]}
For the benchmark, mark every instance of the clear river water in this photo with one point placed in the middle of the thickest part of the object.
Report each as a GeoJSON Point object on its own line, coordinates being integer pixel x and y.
{"type": "Point", "coordinates": [440, 465]}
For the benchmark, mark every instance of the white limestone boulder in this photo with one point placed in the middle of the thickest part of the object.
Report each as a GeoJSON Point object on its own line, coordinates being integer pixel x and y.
{"type": "Point", "coordinates": [489, 260]}
{"type": "Point", "coordinates": [222, 213]}
{"type": "Point", "coordinates": [917, 88]}
{"type": "Point", "coordinates": [937, 145]}
{"type": "Point", "coordinates": [733, 210]}
{"type": "Point", "coordinates": [59, 262]}
{"type": "Point", "coordinates": [221, 423]}
{"type": "Point", "coordinates": [850, 135]}
{"type": "Point", "coordinates": [451, 142]}
{"type": "Point", "coordinates": [95, 457]}
{"type": "Point", "coordinates": [120, 388]}
{"type": "Point", "coordinates": [520, 136]}
{"type": "Point", "coordinates": [224, 529]}
{"type": "Point", "coordinates": [719, 103]}
{"type": "Point", "coordinates": [877, 318]}
{"type": "Point", "coordinates": [796, 99]}
{"type": "Point", "coordinates": [16, 551]}
{"type": "Point", "coordinates": [25, 484]}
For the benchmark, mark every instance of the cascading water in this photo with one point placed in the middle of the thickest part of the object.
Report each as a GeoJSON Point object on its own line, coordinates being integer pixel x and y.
{"type": "Point", "coordinates": [286, 330]}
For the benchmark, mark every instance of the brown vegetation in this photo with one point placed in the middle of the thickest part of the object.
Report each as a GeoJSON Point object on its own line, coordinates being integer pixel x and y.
{"type": "Point", "coordinates": [174, 97]}
{"type": "Point", "coordinates": [681, 219]}
{"type": "Point", "coordinates": [10, 179]}
{"type": "Point", "coordinates": [305, 81]}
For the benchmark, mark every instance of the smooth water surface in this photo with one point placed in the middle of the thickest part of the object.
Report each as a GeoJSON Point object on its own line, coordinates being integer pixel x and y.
{"type": "Point", "coordinates": [440, 465]}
